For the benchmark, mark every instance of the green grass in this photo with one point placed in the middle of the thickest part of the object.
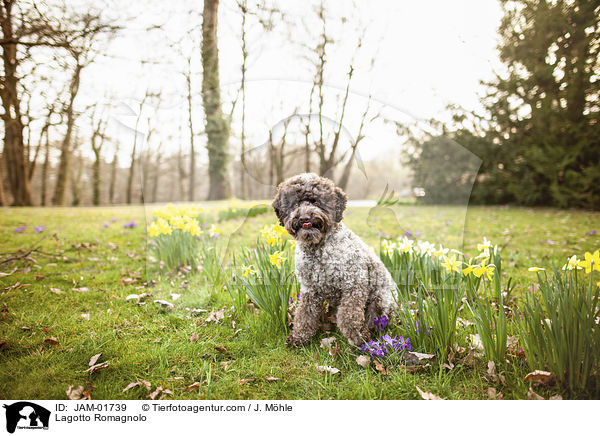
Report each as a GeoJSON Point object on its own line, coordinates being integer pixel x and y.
{"type": "Point", "coordinates": [147, 342]}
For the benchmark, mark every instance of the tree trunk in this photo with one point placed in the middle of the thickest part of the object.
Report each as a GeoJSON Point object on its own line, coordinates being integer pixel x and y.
{"type": "Point", "coordinates": [65, 154]}
{"type": "Point", "coordinates": [113, 176]}
{"type": "Point", "coordinates": [96, 179]}
{"type": "Point", "coordinates": [192, 184]}
{"type": "Point", "coordinates": [217, 127]}
{"type": "Point", "coordinates": [156, 177]}
{"type": "Point", "coordinates": [2, 198]}
{"type": "Point", "coordinates": [45, 168]}
{"type": "Point", "coordinates": [14, 148]}
{"type": "Point", "coordinates": [243, 182]}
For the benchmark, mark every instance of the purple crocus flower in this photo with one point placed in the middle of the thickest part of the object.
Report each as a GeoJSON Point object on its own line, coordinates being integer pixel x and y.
{"type": "Point", "coordinates": [114, 220]}
{"type": "Point", "coordinates": [105, 224]}
{"type": "Point", "coordinates": [130, 225]}
{"type": "Point", "coordinates": [291, 300]}
{"type": "Point", "coordinates": [39, 229]}
{"type": "Point", "coordinates": [20, 229]}
{"type": "Point", "coordinates": [381, 323]}
{"type": "Point", "coordinates": [592, 233]}
{"type": "Point", "coordinates": [408, 233]}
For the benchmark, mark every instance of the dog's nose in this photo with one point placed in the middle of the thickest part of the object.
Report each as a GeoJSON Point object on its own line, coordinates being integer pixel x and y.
{"type": "Point", "coordinates": [304, 219]}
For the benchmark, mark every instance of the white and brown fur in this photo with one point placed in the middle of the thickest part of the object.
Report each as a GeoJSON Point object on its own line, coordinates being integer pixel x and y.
{"type": "Point", "coordinates": [332, 263]}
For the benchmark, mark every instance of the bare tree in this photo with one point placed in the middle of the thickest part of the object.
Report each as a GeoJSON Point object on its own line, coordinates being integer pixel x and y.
{"type": "Point", "coordinates": [90, 28]}
{"type": "Point", "coordinates": [188, 81]}
{"type": "Point", "coordinates": [128, 192]}
{"type": "Point", "coordinates": [99, 123]}
{"type": "Point", "coordinates": [113, 175]}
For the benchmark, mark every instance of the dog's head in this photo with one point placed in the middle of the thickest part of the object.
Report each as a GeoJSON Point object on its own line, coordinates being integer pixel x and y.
{"type": "Point", "coordinates": [308, 206]}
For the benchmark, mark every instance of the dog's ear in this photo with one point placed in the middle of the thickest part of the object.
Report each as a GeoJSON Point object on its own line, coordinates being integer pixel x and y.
{"type": "Point", "coordinates": [278, 207]}
{"type": "Point", "coordinates": [340, 204]}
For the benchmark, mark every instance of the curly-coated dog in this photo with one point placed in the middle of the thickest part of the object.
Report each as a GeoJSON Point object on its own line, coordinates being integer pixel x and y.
{"type": "Point", "coordinates": [332, 263]}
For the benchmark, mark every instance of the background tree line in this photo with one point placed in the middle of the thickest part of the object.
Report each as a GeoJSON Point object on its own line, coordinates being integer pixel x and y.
{"type": "Point", "coordinates": [539, 140]}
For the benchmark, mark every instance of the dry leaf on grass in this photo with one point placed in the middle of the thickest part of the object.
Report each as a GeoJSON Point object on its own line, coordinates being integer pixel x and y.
{"type": "Point", "coordinates": [92, 369]}
{"type": "Point", "coordinates": [556, 397]}
{"type": "Point", "coordinates": [329, 369]}
{"type": "Point", "coordinates": [463, 322]}
{"type": "Point", "coordinates": [477, 344]}
{"type": "Point", "coordinates": [327, 342]}
{"type": "Point", "coordinates": [271, 379]}
{"type": "Point", "coordinates": [245, 381]}
{"type": "Point", "coordinates": [85, 316]}
{"type": "Point", "coordinates": [541, 377]}
{"type": "Point", "coordinates": [51, 341]}
{"type": "Point", "coordinates": [379, 366]}
{"type": "Point", "coordinates": [94, 359]}
{"type": "Point", "coordinates": [156, 393]}
{"type": "Point", "coordinates": [82, 289]}
{"type": "Point", "coordinates": [216, 315]}
{"type": "Point", "coordinates": [427, 395]}
{"type": "Point", "coordinates": [164, 304]}
{"type": "Point", "coordinates": [79, 393]}
{"type": "Point", "coordinates": [493, 394]}
{"type": "Point", "coordinates": [194, 337]}
{"type": "Point", "coordinates": [413, 369]}
{"type": "Point", "coordinates": [363, 360]}
{"type": "Point", "coordinates": [335, 351]}
{"type": "Point", "coordinates": [533, 396]}
{"type": "Point", "coordinates": [56, 291]}
{"type": "Point", "coordinates": [193, 387]}
{"type": "Point", "coordinates": [143, 383]}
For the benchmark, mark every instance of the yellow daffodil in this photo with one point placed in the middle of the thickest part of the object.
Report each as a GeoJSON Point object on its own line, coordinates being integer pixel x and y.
{"type": "Point", "coordinates": [591, 262]}
{"type": "Point", "coordinates": [388, 246]}
{"type": "Point", "coordinates": [466, 271]}
{"type": "Point", "coordinates": [452, 265]}
{"type": "Point", "coordinates": [276, 258]}
{"type": "Point", "coordinates": [488, 270]}
{"type": "Point", "coordinates": [441, 252]}
{"type": "Point", "coordinates": [293, 244]}
{"type": "Point", "coordinates": [486, 245]}
{"type": "Point", "coordinates": [213, 231]}
{"type": "Point", "coordinates": [405, 245]}
{"type": "Point", "coordinates": [247, 270]}
{"type": "Point", "coordinates": [572, 263]}
{"type": "Point", "coordinates": [280, 229]}
{"type": "Point", "coordinates": [535, 269]}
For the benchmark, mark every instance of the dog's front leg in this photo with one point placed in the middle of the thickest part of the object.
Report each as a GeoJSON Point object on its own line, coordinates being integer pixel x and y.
{"type": "Point", "coordinates": [351, 316]}
{"type": "Point", "coordinates": [307, 320]}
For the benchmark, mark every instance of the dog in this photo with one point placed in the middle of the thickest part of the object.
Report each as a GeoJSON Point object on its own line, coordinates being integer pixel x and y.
{"type": "Point", "coordinates": [332, 263]}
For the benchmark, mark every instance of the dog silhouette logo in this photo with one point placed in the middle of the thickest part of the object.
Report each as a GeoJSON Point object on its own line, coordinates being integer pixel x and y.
{"type": "Point", "coordinates": [26, 415]}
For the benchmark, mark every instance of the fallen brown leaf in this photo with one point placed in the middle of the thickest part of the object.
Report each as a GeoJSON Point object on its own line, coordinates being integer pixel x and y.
{"type": "Point", "coordinates": [427, 395]}
{"type": "Point", "coordinates": [329, 369]}
{"type": "Point", "coordinates": [327, 342]}
{"type": "Point", "coordinates": [193, 387]}
{"type": "Point", "coordinates": [363, 360]}
{"type": "Point", "coordinates": [94, 359]}
{"type": "Point", "coordinates": [56, 291]}
{"type": "Point", "coordinates": [271, 379]}
{"type": "Point", "coordinates": [493, 394]}
{"type": "Point", "coordinates": [245, 381]}
{"type": "Point", "coordinates": [156, 393]}
{"type": "Point", "coordinates": [379, 366]}
{"type": "Point", "coordinates": [335, 351]}
{"type": "Point", "coordinates": [533, 396]}
{"type": "Point", "coordinates": [222, 350]}
{"type": "Point", "coordinates": [98, 366]}
{"type": "Point", "coordinates": [216, 316]}
{"type": "Point", "coordinates": [77, 393]}
{"type": "Point", "coordinates": [51, 341]}
{"type": "Point", "coordinates": [538, 376]}
{"type": "Point", "coordinates": [194, 337]}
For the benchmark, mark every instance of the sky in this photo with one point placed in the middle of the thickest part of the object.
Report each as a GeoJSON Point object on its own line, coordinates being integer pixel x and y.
{"type": "Point", "coordinates": [416, 58]}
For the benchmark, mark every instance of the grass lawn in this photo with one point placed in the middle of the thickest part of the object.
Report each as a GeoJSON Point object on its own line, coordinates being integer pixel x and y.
{"type": "Point", "coordinates": [66, 302]}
